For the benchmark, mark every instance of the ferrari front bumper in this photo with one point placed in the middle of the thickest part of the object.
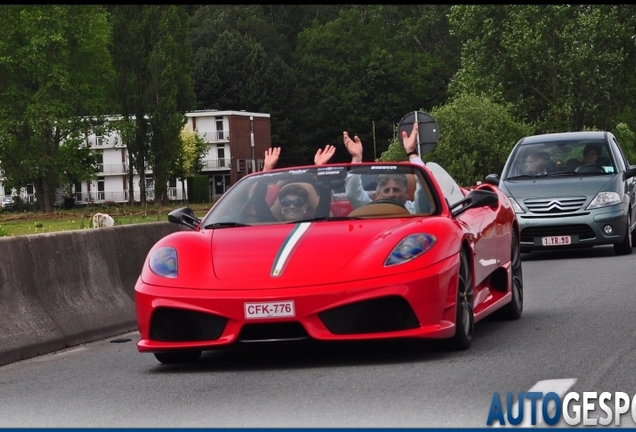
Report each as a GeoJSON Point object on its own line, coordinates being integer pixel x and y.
{"type": "Point", "coordinates": [417, 304]}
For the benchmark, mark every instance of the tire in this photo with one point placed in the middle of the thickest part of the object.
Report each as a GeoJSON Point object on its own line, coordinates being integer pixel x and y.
{"type": "Point", "coordinates": [625, 246]}
{"type": "Point", "coordinates": [514, 309]}
{"type": "Point", "coordinates": [464, 317]}
{"type": "Point", "coordinates": [178, 357]}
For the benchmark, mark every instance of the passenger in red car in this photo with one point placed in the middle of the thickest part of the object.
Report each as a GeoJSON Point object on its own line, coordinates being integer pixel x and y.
{"type": "Point", "coordinates": [293, 201]}
{"type": "Point", "coordinates": [394, 187]}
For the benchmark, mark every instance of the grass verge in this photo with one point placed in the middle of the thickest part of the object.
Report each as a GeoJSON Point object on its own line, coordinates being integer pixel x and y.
{"type": "Point", "coordinates": [26, 223]}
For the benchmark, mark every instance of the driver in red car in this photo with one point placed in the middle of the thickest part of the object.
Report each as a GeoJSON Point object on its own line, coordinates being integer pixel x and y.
{"type": "Point", "coordinates": [388, 186]}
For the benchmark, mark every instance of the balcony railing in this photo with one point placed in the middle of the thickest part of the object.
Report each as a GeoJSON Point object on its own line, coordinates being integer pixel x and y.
{"type": "Point", "coordinates": [118, 168]}
{"type": "Point", "coordinates": [215, 136]}
{"type": "Point", "coordinates": [174, 193]}
{"type": "Point", "coordinates": [210, 164]}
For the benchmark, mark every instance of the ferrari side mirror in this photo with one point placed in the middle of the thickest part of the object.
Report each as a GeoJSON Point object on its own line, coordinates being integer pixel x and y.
{"type": "Point", "coordinates": [184, 216]}
{"type": "Point", "coordinates": [475, 198]}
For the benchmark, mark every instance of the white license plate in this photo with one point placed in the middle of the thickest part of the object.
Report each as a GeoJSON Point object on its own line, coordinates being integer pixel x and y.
{"type": "Point", "coordinates": [556, 240]}
{"type": "Point", "coordinates": [270, 309]}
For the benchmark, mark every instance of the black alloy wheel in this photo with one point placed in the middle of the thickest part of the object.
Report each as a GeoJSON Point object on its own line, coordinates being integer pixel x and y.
{"type": "Point", "coordinates": [514, 309]}
{"type": "Point", "coordinates": [464, 318]}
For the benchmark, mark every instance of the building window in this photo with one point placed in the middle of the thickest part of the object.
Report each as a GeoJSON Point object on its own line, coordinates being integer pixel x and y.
{"type": "Point", "coordinates": [219, 128]}
{"type": "Point", "coordinates": [78, 191]}
{"type": "Point", "coordinates": [172, 188]}
{"type": "Point", "coordinates": [221, 156]}
{"type": "Point", "coordinates": [100, 189]}
{"type": "Point", "coordinates": [99, 141]}
{"type": "Point", "coordinates": [30, 193]}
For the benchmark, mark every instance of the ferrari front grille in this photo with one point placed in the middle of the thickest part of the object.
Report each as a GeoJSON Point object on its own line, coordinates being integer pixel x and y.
{"type": "Point", "coordinates": [583, 231]}
{"type": "Point", "coordinates": [384, 314]}
{"type": "Point", "coordinates": [267, 332]}
{"type": "Point", "coordinates": [180, 325]}
{"type": "Point", "coordinates": [554, 205]}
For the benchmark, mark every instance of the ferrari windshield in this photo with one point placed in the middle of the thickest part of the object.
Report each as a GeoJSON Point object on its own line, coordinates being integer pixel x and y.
{"type": "Point", "coordinates": [332, 192]}
{"type": "Point", "coordinates": [560, 158]}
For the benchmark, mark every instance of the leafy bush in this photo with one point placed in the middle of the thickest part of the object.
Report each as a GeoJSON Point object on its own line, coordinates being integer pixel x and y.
{"type": "Point", "coordinates": [198, 189]}
{"type": "Point", "coordinates": [627, 139]}
{"type": "Point", "coordinates": [476, 136]}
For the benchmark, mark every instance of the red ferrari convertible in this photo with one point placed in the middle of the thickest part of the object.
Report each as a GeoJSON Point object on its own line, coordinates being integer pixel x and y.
{"type": "Point", "coordinates": [332, 253]}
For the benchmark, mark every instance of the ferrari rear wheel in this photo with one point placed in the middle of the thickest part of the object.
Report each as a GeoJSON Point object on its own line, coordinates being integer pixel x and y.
{"type": "Point", "coordinates": [514, 309]}
{"type": "Point", "coordinates": [465, 319]}
{"type": "Point", "coordinates": [178, 357]}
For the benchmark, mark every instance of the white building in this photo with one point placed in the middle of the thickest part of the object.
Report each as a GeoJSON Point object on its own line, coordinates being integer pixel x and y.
{"type": "Point", "coordinates": [236, 142]}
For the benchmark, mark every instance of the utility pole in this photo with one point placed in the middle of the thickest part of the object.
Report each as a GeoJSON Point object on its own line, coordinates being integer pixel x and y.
{"type": "Point", "coordinates": [252, 143]}
{"type": "Point", "coordinates": [375, 156]}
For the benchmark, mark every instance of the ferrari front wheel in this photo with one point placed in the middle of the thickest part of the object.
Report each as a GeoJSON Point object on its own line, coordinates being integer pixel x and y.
{"type": "Point", "coordinates": [178, 357]}
{"type": "Point", "coordinates": [464, 318]}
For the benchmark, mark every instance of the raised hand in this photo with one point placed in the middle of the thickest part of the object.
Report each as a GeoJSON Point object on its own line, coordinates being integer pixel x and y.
{"type": "Point", "coordinates": [410, 141]}
{"type": "Point", "coordinates": [271, 158]}
{"type": "Point", "coordinates": [354, 147]}
{"type": "Point", "coordinates": [323, 156]}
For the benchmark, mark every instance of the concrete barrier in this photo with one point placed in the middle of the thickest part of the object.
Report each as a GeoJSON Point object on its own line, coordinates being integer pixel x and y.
{"type": "Point", "coordinates": [63, 289]}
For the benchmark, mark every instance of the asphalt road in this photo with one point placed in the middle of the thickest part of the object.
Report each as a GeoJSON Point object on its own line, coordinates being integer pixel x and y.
{"type": "Point", "coordinates": [578, 330]}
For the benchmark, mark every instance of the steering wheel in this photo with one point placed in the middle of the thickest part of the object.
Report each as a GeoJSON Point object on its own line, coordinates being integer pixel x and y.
{"type": "Point", "coordinates": [590, 168]}
{"type": "Point", "coordinates": [383, 207]}
{"type": "Point", "coordinates": [387, 201]}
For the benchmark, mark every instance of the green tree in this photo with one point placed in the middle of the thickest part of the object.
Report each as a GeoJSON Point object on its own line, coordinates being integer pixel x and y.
{"type": "Point", "coordinates": [170, 89]}
{"type": "Point", "coordinates": [79, 162]}
{"type": "Point", "coordinates": [364, 68]}
{"type": "Point", "coordinates": [394, 153]}
{"type": "Point", "coordinates": [476, 136]}
{"type": "Point", "coordinates": [237, 73]}
{"type": "Point", "coordinates": [189, 160]}
{"type": "Point", "coordinates": [627, 138]}
{"type": "Point", "coordinates": [130, 58]}
{"type": "Point", "coordinates": [562, 67]}
{"type": "Point", "coordinates": [55, 68]}
{"type": "Point", "coordinates": [211, 21]}
{"type": "Point", "coordinates": [152, 57]}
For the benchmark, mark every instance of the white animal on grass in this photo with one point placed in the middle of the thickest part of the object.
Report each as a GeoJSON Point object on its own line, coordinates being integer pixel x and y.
{"type": "Point", "coordinates": [102, 220]}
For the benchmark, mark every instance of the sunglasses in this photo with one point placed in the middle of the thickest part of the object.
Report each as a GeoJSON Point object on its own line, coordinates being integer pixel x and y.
{"type": "Point", "coordinates": [298, 203]}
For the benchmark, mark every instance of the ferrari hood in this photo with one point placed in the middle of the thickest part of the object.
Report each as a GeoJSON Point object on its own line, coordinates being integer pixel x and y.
{"type": "Point", "coordinates": [303, 251]}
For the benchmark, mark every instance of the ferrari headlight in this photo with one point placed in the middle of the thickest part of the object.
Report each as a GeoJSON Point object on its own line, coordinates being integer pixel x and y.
{"type": "Point", "coordinates": [604, 199]}
{"type": "Point", "coordinates": [163, 262]}
{"type": "Point", "coordinates": [515, 205]}
{"type": "Point", "coordinates": [409, 248]}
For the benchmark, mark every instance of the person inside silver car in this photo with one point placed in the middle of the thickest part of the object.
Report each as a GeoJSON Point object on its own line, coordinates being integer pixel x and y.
{"type": "Point", "coordinates": [536, 164]}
